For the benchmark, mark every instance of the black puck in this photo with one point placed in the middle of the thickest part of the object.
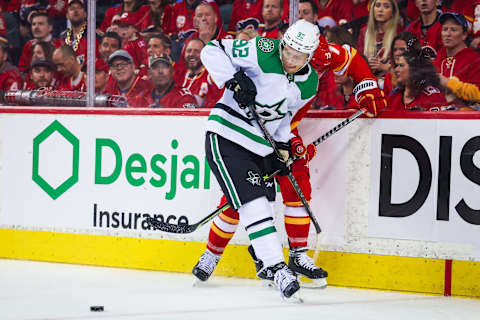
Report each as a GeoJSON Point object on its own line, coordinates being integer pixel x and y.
{"type": "Point", "coordinates": [96, 308]}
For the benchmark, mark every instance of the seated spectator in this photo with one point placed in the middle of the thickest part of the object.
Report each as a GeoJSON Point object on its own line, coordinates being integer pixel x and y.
{"type": "Point", "coordinates": [101, 75]}
{"type": "Point", "coordinates": [182, 23]}
{"type": "Point", "coordinates": [205, 21]}
{"type": "Point", "coordinates": [476, 25]}
{"type": "Point", "coordinates": [458, 65]}
{"type": "Point", "coordinates": [246, 34]}
{"type": "Point", "coordinates": [41, 75]}
{"type": "Point", "coordinates": [418, 84]}
{"type": "Point", "coordinates": [110, 43]}
{"type": "Point", "coordinates": [158, 44]}
{"type": "Point", "coordinates": [71, 76]}
{"type": "Point", "coordinates": [272, 12]}
{"type": "Point", "coordinates": [125, 82]}
{"type": "Point", "coordinates": [334, 13]}
{"type": "Point", "coordinates": [166, 93]}
{"type": "Point", "coordinates": [10, 79]}
{"type": "Point", "coordinates": [42, 50]}
{"type": "Point", "coordinates": [308, 10]}
{"type": "Point", "coordinates": [427, 28]}
{"type": "Point", "coordinates": [196, 78]}
{"type": "Point", "coordinates": [41, 31]}
{"type": "Point", "coordinates": [136, 8]}
{"type": "Point", "coordinates": [76, 35]}
{"type": "Point", "coordinates": [158, 18]}
{"type": "Point", "coordinates": [402, 42]}
{"type": "Point", "coordinates": [132, 41]}
{"type": "Point", "coordinates": [246, 14]}
{"type": "Point", "coordinates": [376, 37]}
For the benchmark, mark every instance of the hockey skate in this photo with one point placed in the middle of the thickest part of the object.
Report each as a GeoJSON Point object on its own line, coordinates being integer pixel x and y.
{"type": "Point", "coordinates": [265, 274]}
{"type": "Point", "coordinates": [303, 265]}
{"type": "Point", "coordinates": [205, 266]}
{"type": "Point", "coordinates": [286, 281]}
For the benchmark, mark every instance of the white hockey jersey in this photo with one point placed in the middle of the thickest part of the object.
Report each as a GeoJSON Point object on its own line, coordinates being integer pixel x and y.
{"type": "Point", "coordinates": [279, 95]}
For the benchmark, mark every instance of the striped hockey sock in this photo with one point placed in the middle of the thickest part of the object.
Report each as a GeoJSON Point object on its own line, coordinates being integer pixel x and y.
{"type": "Point", "coordinates": [222, 229]}
{"type": "Point", "coordinates": [297, 225]}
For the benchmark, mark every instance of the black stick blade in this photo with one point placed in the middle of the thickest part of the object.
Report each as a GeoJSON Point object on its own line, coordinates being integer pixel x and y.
{"type": "Point", "coordinates": [168, 227]}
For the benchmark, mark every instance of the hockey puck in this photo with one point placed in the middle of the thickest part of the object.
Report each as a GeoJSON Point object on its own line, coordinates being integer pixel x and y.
{"type": "Point", "coordinates": [96, 308]}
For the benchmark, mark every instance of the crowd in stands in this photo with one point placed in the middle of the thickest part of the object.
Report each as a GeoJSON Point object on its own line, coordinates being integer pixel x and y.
{"type": "Point", "coordinates": [425, 53]}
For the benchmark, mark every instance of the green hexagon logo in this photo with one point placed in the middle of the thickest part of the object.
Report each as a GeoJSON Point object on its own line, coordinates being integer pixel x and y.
{"type": "Point", "coordinates": [68, 182]}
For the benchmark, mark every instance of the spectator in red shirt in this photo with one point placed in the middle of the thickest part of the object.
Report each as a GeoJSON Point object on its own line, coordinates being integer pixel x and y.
{"type": "Point", "coordinates": [418, 84]}
{"type": "Point", "coordinates": [376, 37]}
{"type": "Point", "coordinates": [42, 32]}
{"type": "Point", "coordinates": [71, 76]}
{"type": "Point", "coordinates": [101, 75]}
{"type": "Point", "coordinates": [182, 17]}
{"type": "Point", "coordinates": [427, 27]}
{"type": "Point", "coordinates": [125, 81]}
{"type": "Point", "coordinates": [76, 35]}
{"type": "Point", "coordinates": [272, 12]}
{"type": "Point", "coordinates": [134, 7]}
{"type": "Point", "coordinates": [333, 13]}
{"type": "Point", "coordinates": [166, 93]}
{"type": "Point", "coordinates": [132, 41]}
{"type": "Point", "coordinates": [458, 65]}
{"type": "Point", "coordinates": [41, 75]}
{"type": "Point", "coordinates": [158, 19]}
{"type": "Point", "coordinates": [196, 77]}
{"type": "Point", "coordinates": [10, 78]}
{"type": "Point", "coordinates": [245, 14]}
{"type": "Point", "coordinates": [110, 43]}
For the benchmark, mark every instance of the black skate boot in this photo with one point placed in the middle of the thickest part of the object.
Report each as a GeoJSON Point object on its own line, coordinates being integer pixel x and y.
{"type": "Point", "coordinates": [265, 274]}
{"type": "Point", "coordinates": [205, 265]}
{"type": "Point", "coordinates": [303, 265]}
{"type": "Point", "coordinates": [285, 280]}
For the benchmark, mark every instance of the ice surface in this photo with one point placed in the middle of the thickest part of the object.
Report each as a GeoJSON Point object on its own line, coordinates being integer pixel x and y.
{"type": "Point", "coordinates": [40, 290]}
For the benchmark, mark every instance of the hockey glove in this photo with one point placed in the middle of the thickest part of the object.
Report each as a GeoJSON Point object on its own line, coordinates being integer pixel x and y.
{"type": "Point", "coordinates": [280, 164]}
{"type": "Point", "coordinates": [244, 90]}
{"type": "Point", "coordinates": [370, 98]}
{"type": "Point", "coordinates": [322, 57]}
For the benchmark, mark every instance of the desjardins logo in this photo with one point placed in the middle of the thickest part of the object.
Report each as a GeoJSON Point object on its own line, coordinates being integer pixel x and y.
{"type": "Point", "coordinates": [67, 181]}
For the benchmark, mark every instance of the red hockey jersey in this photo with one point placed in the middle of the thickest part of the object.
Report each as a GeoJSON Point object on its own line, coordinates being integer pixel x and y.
{"type": "Point", "coordinates": [335, 12]}
{"type": "Point", "coordinates": [10, 79]}
{"type": "Point", "coordinates": [27, 52]}
{"type": "Point", "coordinates": [138, 50]}
{"type": "Point", "coordinates": [429, 36]}
{"type": "Point", "coordinates": [69, 84]}
{"type": "Point", "coordinates": [182, 18]}
{"type": "Point", "coordinates": [137, 95]}
{"type": "Point", "coordinates": [202, 87]}
{"type": "Point", "coordinates": [431, 99]}
{"type": "Point", "coordinates": [176, 97]}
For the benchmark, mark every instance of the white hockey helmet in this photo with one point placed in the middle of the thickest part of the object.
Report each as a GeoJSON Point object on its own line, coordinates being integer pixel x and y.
{"type": "Point", "coordinates": [302, 36]}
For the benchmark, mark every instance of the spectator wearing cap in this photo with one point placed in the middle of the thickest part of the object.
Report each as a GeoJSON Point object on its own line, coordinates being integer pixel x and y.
{"type": "Point", "coordinates": [41, 75]}
{"type": "Point", "coordinates": [101, 75]}
{"type": "Point", "coordinates": [125, 81]}
{"type": "Point", "coordinates": [10, 78]}
{"type": "Point", "coordinates": [132, 41]}
{"type": "Point", "coordinates": [134, 7]}
{"type": "Point", "coordinates": [196, 78]}
{"type": "Point", "coordinates": [458, 65]}
{"type": "Point", "coordinates": [42, 32]}
{"type": "Point", "coordinates": [166, 93]}
{"type": "Point", "coordinates": [427, 27]}
{"type": "Point", "coordinates": [110, 43]}
{"type": "Point", "coordinates": [182, 24]}
{"type": "Point", "coordinates": [76, 35]}
{"type": "Point", "coordinates": [72, 78]}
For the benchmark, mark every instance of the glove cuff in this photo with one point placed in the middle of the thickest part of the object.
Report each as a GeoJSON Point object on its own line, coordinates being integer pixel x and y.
{"type": "Point", "coordinates": [364, 86]}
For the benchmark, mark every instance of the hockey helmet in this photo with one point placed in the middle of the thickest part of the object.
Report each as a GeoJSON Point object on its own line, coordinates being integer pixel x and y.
{"type": "Point", "coordinates": [302, 36]}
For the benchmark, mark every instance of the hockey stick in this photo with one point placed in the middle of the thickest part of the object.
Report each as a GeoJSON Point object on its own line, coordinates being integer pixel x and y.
{"type": "Point", "coordinates": [189, 228]}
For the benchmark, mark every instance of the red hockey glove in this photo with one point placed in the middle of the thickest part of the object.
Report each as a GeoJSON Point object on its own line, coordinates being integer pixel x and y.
{"type": "Point", "coordinates": [322, 57]}
{"type": "Point", "coordinates": [297, 148]}
{"type": "Point", "coordinates": [370, 98]}
{"type": "Point", "coordinates": [311, 152]}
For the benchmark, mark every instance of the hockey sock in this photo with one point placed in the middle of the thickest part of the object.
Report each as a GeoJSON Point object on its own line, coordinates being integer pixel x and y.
{"type": "Point", "coordinates": [297, 225]}
{"type": "Point", "coordinates": [256, 217]}
{"type": "Point", "coordinates": [222, 229]}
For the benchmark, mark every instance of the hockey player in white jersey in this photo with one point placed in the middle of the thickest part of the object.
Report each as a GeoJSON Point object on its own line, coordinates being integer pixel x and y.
{"type": "Point", "coordinates": [276, 78]}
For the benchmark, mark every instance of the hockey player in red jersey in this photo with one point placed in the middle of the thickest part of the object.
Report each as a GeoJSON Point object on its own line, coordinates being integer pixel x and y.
{"type": "Point", "coordinates": [343, 60]}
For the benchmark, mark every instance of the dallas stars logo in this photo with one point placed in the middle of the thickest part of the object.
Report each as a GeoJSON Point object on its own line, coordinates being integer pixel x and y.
{"type": "Point", "coordinates": [300, 35]}
{"type": "Point", "coordinates": [253, 178]}
{"type": "Point", "coordinates": [266, 45]}
{"type": "Point", "coordinates": [270, 113]}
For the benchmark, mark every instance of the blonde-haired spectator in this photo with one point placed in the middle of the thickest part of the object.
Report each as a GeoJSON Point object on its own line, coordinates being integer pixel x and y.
{"type": "Point", "coordinates": [376, 37]}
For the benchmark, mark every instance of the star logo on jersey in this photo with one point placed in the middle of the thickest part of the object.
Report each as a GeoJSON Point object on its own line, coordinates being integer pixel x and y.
{"type": "Point", "coordinates": [270, 113]}
{"type": "Point", "coordinates": [253, 178]}
{"type": "Point", "coordinates": [266, 45]}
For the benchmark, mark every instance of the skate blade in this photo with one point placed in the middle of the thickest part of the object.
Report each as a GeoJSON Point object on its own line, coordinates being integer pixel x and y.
{"type": "Point", "coordinates": [268, 283]}
{"type": "Point", "coordinates": [295, 298]}
{"type": "Point", "coordinates": [312, 283]}
{"type": "Point", "coordinates": [198, 283]}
